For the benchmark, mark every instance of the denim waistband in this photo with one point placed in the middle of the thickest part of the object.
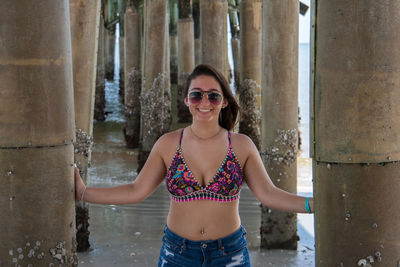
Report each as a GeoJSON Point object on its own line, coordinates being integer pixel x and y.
{"type": "Point", "coordinates": [209, 244]}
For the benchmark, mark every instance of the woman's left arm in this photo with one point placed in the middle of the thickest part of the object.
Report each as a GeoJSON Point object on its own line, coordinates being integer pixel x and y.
{"type": "Point", "coordinates": [261, 185]}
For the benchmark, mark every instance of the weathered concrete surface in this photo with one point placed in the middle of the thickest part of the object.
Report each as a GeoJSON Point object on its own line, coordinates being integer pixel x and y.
{"type": "Point", "coordinates": [154, 103]}
{"type": "Point", "coordinates": [356, 132]}
{"type": "Point", "coordinates": [34, 96]}
{"type": "Point", "coordinates": [133, 77]}
{"type": "Point", "coordinates": [214, 27]}
{"type": "Point", "coordinates": [84, 19]}
{"type": "Point", "coordinates": [38, 210]}
{"type": "Point", "coordinates": [279, 126]}
{"type": "Point", "coordinates": [357, 73]}
{"type": "Point", "coordinates": [354, 205]}
{"type": "Point", "coordinates": [37, 204]}
{"type": "Point", "coordinates": [100, 95]}
{"type": "Point", "coordinates": [249, 85]}
{"type": "Point", "coordinates": [186, 60]}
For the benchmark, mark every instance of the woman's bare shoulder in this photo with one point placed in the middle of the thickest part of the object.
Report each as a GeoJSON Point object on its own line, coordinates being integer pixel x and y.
{"type": "Point", "coordinates": [169, 140]}
{"type": "Point", "coordinates": [243, 146]}
{"type": "Point", "coordinates": [241, 140]}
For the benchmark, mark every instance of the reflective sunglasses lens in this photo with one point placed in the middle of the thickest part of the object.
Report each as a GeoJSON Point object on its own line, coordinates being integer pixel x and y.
{"type": "Point", "coordinates": [214, 98]}
{"type": "Point", "coordinates": [195, 97]}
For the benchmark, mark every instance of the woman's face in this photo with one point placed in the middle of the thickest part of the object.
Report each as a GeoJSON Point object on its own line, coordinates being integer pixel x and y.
{"type": "Point", "coordinates": [205, 98]}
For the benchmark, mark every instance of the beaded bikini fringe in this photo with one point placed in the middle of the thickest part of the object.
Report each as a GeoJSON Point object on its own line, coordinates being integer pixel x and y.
{"type": "Point", "coordinates": [200, 195]}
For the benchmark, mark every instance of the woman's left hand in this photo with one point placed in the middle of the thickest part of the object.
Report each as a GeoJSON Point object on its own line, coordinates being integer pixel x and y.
{"type": "Point", "coordinates": [79, 185]}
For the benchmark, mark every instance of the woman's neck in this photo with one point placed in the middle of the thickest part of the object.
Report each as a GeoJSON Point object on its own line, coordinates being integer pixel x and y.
{"type": "Point", "coordinates": [205, 131]}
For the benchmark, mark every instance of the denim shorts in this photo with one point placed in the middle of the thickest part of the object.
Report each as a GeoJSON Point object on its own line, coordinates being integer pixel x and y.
{"type": "Point", "coordinates": [228, 251]}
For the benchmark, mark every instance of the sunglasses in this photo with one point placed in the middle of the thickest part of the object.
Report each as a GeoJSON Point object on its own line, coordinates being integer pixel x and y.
{"type": "Point", "coordinates": [195, 97]}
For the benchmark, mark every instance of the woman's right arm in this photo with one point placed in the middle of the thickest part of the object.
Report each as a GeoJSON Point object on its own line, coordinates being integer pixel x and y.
{"type": "Point", "coordinates": [147, 181]}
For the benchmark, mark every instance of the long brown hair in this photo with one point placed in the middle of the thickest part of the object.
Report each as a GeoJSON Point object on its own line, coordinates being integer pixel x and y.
{"type": "Point", "coordinates": [229, 114]}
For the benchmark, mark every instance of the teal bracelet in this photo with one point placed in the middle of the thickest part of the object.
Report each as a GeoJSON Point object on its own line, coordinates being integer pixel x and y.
{"type": "Point", "coordinates": [307, 204]}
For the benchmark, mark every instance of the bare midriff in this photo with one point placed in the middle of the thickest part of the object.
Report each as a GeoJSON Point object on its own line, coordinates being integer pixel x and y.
{"type": "Point", "coordinates": [203, 219]}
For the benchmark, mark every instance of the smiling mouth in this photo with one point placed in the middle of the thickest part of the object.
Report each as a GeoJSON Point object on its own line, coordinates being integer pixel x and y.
{"type": "Point", "coordinates": [204, 110]}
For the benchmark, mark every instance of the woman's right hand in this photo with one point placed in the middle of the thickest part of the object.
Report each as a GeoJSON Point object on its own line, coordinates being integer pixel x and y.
{"type": "Point", "coordinates": [79, 185]}
{"type": "Point", "coordinates": [145, 183]}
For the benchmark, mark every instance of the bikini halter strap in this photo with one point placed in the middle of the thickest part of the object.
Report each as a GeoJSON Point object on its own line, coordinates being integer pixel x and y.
{"type": "Point", "coordinates": [229, 139]}
{"type": "Point", "coordinates": [180, 139]}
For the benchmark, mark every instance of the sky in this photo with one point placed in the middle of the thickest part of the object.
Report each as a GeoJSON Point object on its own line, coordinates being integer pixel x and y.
{"type": "Point", "coordinates": [304, 25]}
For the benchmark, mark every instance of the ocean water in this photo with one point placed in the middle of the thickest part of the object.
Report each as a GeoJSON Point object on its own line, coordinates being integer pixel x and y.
{"type": "Point", "coordinates": [304, 98]}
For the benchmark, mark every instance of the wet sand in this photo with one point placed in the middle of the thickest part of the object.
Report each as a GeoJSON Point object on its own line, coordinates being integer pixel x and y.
{"type": "Point", "coordinates": [130, 235]}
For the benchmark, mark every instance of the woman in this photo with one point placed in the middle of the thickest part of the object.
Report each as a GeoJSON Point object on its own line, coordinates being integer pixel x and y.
{"type": "Point", "coordinates": [203, 225]}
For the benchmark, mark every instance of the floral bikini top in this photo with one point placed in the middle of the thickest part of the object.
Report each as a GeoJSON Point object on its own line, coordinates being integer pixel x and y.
{"type": "Point", "coordinates": [224, 186]}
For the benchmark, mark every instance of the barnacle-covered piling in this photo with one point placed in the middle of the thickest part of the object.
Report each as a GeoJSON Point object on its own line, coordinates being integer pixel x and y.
{"type": "Point", "coordinates": [84, 19]}
{"type": "Point", "coordinates": [356, 132]}
{"type": "Point", "coordinates": [133, 76]}
{"type": "Point", "coordinates": [279, 140]}
{"type": "Point", "coordinates": [250, 117]}
{"type": "Point", "coordinates": [155, 94]}
{"type": "Point", "coordinates": [36, 134]}
{"type": "Point", "coordinates": [249, 85]}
